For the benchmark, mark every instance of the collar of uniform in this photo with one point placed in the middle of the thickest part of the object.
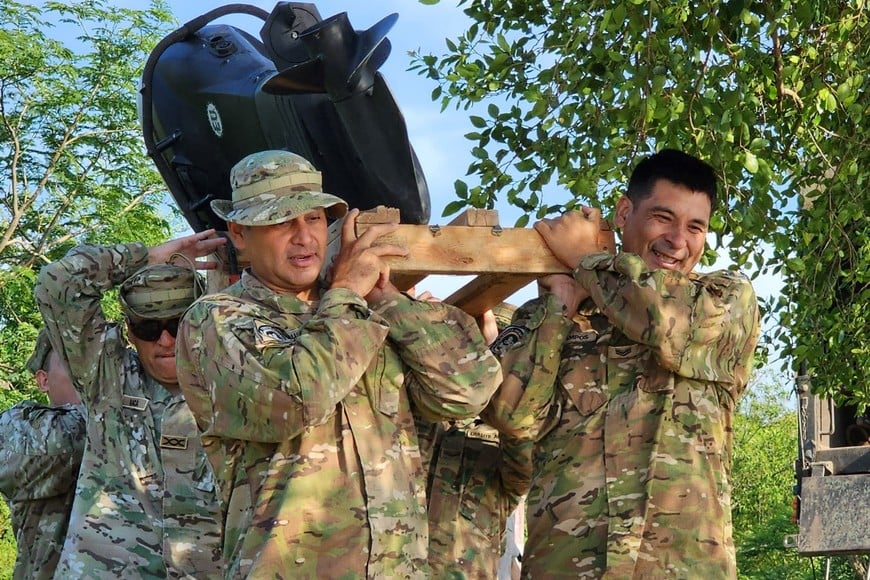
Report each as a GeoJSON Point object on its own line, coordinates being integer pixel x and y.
{"type": "Point", "coordinates": [261, 293]}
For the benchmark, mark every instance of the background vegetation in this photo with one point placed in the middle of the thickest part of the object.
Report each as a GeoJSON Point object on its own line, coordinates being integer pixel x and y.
{"type": "Point", "coordinates": [72, 164]}
{"type": "Point", "coordinates": [567, 96]}
{"type": "Point", "coordinates": [562, 96]}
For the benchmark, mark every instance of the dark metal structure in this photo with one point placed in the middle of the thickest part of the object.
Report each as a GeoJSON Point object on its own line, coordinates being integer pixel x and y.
{"type": "Point", "coordinates": [833, 477]}
{"type": "Point", "coordinates": [212, 93]}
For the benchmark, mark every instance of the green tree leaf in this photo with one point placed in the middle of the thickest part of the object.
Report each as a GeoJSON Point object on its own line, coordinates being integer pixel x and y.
{"type": "Point", "coordinates": [773, 95]}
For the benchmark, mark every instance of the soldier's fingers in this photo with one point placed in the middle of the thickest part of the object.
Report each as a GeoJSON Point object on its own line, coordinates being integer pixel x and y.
{"type": "Point", "coordinates": [382, 250]}
{"type": "Point", "coordinates": [384, 277]}
{"type": "Point", "coordinates": [207, 265]}
{"type": "Point", "coordinates": [373, 233]}
{"type": "Point", "coordinates": [348, 228]}
{"type": "Point", "coordinates": [545, 228]}
{"type": "Point", "coordinates": [592, 213]}
{"type": "Point", "coordinates": [544, 224]}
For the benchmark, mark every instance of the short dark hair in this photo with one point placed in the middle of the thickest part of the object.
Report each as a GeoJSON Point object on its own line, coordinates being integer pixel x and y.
{"type": "Point", "coordinates": [677, 167]}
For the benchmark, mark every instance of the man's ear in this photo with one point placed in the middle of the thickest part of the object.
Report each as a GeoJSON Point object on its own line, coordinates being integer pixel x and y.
{"type": "Point", "coordinates": [237, 235]}
{"type": "Point", "coordinates": [623, 209]}
{"type": "Point", "coordinates": [42, 380]}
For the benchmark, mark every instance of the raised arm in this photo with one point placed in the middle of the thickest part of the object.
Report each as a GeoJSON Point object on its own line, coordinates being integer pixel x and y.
{"type": "Point", "coordinates": [250, 374]}
{"type": "Point", "coordinates": [523, 408]}
{"type": "Point", "coordinates": [703, 327]}
{"type": "Point", "coordinates": [69, 291]}
{"type": "Point", "coordinates": [453, 372]}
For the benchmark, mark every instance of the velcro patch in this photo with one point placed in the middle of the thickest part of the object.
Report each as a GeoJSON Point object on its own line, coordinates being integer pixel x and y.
{"type": "Point", "coordinates": [136, 403]}
{"type": "Point", "coordinates": [270, 335]}
{"type": "Point", "coordinates": [173, 442]}
{"type": "Point", "coordinates": [508, 337]}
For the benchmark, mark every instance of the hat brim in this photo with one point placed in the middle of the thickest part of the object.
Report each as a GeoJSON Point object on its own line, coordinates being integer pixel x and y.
{"type": "Point", "coordinates": [271, 208]}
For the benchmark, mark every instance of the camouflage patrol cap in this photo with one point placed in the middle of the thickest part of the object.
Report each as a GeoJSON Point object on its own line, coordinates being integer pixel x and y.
{"type": "Point", "coordinates": [38, 359]}
{"type": "Point", "coordinates": [160, 292]}
{"type": "Point", "coordinates": [272, 187]}
{"type": "Point", "coordinates": [504, 313]}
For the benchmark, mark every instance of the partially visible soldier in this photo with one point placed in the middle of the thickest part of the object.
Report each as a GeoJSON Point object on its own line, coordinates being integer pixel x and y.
{"type": "Point", "coordinates": [476, 480]}
{"type": "Point", "coordinates": [146, 505]}
{"type": "Point", "coordinates": [40, 454]}
{"type": "Point", "coordinates": [304, 391]}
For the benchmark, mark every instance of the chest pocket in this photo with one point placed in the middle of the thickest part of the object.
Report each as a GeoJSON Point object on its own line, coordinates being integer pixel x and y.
{"type": "Point", "coordinates": [581, 371]}
{"type": "Point", "coordinates": [181, 449]}
{"type": "Point", "coordinates": [384, 380]}
{"type": "Point", "coordinates": [136, 431]}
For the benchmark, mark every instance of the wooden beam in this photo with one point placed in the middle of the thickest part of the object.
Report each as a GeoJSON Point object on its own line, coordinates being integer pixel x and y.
{"type": "Point", "coordinates": [504, 259]}
{"type": "Point", "coordinates": [472, 250]}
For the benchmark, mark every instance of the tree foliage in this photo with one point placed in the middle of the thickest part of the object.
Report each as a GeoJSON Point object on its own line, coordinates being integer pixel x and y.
{"type": "Point", "coordinates": [72, 163]}
{"type": "Point", "coordinates": [566, 96]}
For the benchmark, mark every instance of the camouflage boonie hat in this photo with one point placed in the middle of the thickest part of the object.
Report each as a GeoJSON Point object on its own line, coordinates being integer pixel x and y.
{"type": "Point", "coordinates": [160, 291]}
{"type": "Point", "coordinates": [272, 187]}
{"type": "Point", "coordinates": [37, 360]}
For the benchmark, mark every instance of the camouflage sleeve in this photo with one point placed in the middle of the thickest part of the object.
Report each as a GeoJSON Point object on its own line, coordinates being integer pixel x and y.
{"type": "Point", "coordinates": [516, 467]}
{"type": "Point", "coordinates": [453, 373]}
{"type": "Point", "coordinates": [529, 349]}
{"type": "Point", "coordinates": [703, 327]}
{"type": "Point", "coordinates": [247, 376]}
{"type": "Point", "coordinates": [40, 450]}
{"type": "Point", "coordinates": [69, 291]}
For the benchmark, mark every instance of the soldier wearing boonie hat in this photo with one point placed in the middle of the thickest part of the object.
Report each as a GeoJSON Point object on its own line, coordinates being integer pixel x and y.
{"type": "Point", "coordinates": [299, 387]}
{"type": "Point", "coordinates": [38, 358]}
{"type": "Point", "coordinates": [272, 187]}
{"type": "Point", "coordinates": [145, 503]}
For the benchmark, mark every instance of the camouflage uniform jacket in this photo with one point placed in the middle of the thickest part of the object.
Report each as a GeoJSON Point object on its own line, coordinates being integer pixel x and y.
{"type": "Point", "coordinates": [476, 479]}
{"type": "Point", "coordinates": [305, 412]}
{"type": "Point", "coordinates": [40, 454]}
{"type": "Point", "coordinates": [633, 421]}
{"type": "Point", "coordinates": [146, 504]}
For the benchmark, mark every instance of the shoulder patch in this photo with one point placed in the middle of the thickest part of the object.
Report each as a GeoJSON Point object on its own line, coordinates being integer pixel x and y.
{"type": "Point", "coordinates": [269, 335]}
{"type": "Point", "coordinates": [511, 335]}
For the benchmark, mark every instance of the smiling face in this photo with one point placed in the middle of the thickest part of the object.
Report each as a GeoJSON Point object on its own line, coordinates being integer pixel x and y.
{"type": "Point", "coordinates": [668, 228]}
{"type": "Point", "coordinates": [286, 257]}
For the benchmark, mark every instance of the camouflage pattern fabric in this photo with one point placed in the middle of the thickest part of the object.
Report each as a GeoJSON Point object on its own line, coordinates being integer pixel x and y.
{"type": "Point", "coordinates": [476, 479]}
{"type": "Point", "coordinates": [133, 472]}
{"type": "Point", "coordinates": [633, 423]}
{"type": "Point", "coordinates": [40, 454]}
{"type": "Point", "coordinates": [305, 413]}
{"type": "Point", "coordinates": [273, 187]}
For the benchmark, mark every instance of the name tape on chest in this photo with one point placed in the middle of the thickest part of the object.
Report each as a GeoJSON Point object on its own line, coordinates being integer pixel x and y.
{"type": "Point", "coordinates": [135, 403]}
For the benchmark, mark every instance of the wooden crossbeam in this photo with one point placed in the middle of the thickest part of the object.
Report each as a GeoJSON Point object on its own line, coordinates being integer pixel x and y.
{"type": "Point", "coordinates": [503, 259]}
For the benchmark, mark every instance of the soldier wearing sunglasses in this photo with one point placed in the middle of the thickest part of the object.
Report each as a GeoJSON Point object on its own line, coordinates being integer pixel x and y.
{"type": "Point", "coordinates": [145, 503]}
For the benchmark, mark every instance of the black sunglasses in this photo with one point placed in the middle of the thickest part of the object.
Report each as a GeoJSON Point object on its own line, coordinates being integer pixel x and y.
{"type": "Point", "coordinates": [151, 330]}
